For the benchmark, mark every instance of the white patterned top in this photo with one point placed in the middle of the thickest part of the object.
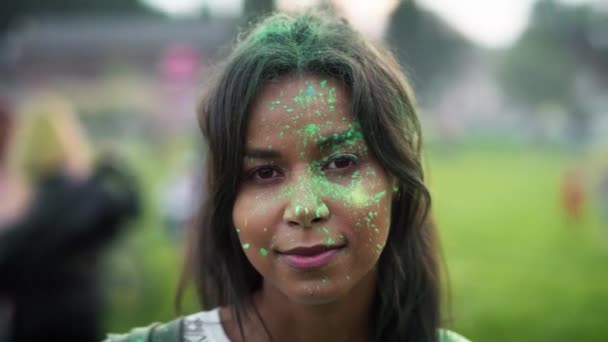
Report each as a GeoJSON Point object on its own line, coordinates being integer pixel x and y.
{"type": "Point", "coordinates": [204, 326]}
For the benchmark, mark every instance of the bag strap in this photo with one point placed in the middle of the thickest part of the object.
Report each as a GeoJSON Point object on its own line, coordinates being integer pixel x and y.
{"type": "Point", "coordinates": [156, 332]}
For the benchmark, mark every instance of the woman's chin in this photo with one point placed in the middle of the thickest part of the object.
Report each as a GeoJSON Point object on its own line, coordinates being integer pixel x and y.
{"type": "Point", "coordinates": [316, 293]}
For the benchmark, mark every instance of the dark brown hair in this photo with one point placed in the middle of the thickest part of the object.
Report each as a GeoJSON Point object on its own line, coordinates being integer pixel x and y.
{"type": "Point", "coordinates": [407, 300]}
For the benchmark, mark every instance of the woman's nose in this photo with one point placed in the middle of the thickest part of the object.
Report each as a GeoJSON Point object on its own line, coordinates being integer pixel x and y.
{"type": "Point", "coordinates": [306, 206]}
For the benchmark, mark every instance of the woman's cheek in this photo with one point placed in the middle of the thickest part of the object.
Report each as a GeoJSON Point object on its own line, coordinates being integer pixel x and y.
{"type": "Point", "coordinates": [368, 202]}
{"type": "Point", "coordinates": [253, 221]}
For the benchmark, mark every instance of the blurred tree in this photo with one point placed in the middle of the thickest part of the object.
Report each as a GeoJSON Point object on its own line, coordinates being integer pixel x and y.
{"type": "Point", "coordinates": [256, 8]}
{"type": "Point", "coordinates": [429, 49]}
{"type": "Point", "coordinates": [12, 11]}
{"type": "Point", "coordinates": [543, 66]}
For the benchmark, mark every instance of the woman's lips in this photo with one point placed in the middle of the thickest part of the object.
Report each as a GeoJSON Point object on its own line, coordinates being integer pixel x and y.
{"type": "Point", "coordinates": [310, 257]}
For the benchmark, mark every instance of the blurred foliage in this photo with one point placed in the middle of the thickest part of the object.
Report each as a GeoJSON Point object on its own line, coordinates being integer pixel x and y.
{"type": "Point", "coordinates": [543, 66]}
{"type": "Point", "coordinates": [256, 8]}
{"type": "Point", "coordinates": [13, 11]}
{"type": "Point", "coordinates": [428, 48]}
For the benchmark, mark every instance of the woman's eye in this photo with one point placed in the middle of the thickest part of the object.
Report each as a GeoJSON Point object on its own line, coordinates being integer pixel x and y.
{"type": "Point", "coordinates": [264, 173]}
{"type": "Point", "coordinates": [341, 162]}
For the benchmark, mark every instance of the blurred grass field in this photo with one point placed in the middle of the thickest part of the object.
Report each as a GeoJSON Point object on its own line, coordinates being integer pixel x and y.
{"type": "Point", "coordinates": [517, 270]}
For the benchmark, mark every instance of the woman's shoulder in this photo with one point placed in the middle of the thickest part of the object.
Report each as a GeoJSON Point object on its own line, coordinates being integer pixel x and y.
{"type": "Point", "coordinates": [450, 336]}
{"type": "Point", "coordinates": [201, 326]}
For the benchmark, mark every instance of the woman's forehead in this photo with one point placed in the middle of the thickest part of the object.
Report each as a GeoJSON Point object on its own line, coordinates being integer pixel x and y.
{"type": "Point", "coordinates": [302, 105]}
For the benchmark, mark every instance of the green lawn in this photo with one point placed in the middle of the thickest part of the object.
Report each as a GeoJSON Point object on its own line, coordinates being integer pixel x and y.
{"type": "Point", "coordinates": [517, 271]}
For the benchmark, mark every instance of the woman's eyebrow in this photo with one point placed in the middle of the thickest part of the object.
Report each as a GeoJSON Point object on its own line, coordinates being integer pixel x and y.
{"type": "Point", "coordinates": [335, 139]}
{"type": "Point", "coordinates": [262, 153]}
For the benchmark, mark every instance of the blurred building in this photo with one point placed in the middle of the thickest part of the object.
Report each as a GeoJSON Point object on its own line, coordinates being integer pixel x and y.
{"type": "Point", "coordinates": [139, 67]}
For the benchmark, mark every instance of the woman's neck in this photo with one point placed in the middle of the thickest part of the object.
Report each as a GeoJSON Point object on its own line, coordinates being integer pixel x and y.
{"type": "Point", "coordinates": [345, 319]}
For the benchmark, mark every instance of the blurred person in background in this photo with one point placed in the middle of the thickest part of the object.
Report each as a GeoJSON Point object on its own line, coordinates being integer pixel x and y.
{"type": "Point", "coordinates": [573, 195]}
{"type": "Point", "coordinates": [64, 209]}
{"type": "Point", "coordinates": [603, 198]}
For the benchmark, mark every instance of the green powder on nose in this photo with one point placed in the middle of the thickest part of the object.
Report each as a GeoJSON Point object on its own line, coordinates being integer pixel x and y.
{"type": "Point", "coordinates": [263, 252]}
{"type": "Point", "coordinates": [246, 246]}
{"type": "Point", "coordinates": [318, 212]}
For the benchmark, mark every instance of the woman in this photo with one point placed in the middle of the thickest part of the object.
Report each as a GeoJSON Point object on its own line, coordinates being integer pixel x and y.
{"type": "Point", "coordinates": [315, 226]}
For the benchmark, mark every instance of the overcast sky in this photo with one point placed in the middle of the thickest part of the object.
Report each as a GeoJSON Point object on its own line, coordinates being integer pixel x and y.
{"type": "Point", "coordinates": [492, 23]}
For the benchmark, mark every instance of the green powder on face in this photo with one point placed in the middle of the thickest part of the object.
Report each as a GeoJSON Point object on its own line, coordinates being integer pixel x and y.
{"type": "Point", "coordinates": [310, 90]}
{"type": "Point", "coordinates": [379, 195]}
{"type": "Point", "coordinates": [323, 83]}
{"type": "Point", "coordinates": [331, 98]}
{"type": "Point", "coordinates": [311, 130]}
{"type": "Point", "coordinates": [299, 100]}
{"type": "Point", "coordinates": [325, 230]}
{"type": "Point", "coordinates": [263, 252]}
{"type": "Point", "coordinates": [319, 211]}
{"type": "Point", "coordinates": [330, 241]}
{"type": "Point", "coordinates": [289, 110]}
{"type": "Point", "coordinates": [358, 197]}
{"type": "Point", "coordinates": [246, 246]}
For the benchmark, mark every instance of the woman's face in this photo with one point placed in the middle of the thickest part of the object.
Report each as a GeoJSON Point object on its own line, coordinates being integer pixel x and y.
{"type": "Point", "coordinates": [313, 208]}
